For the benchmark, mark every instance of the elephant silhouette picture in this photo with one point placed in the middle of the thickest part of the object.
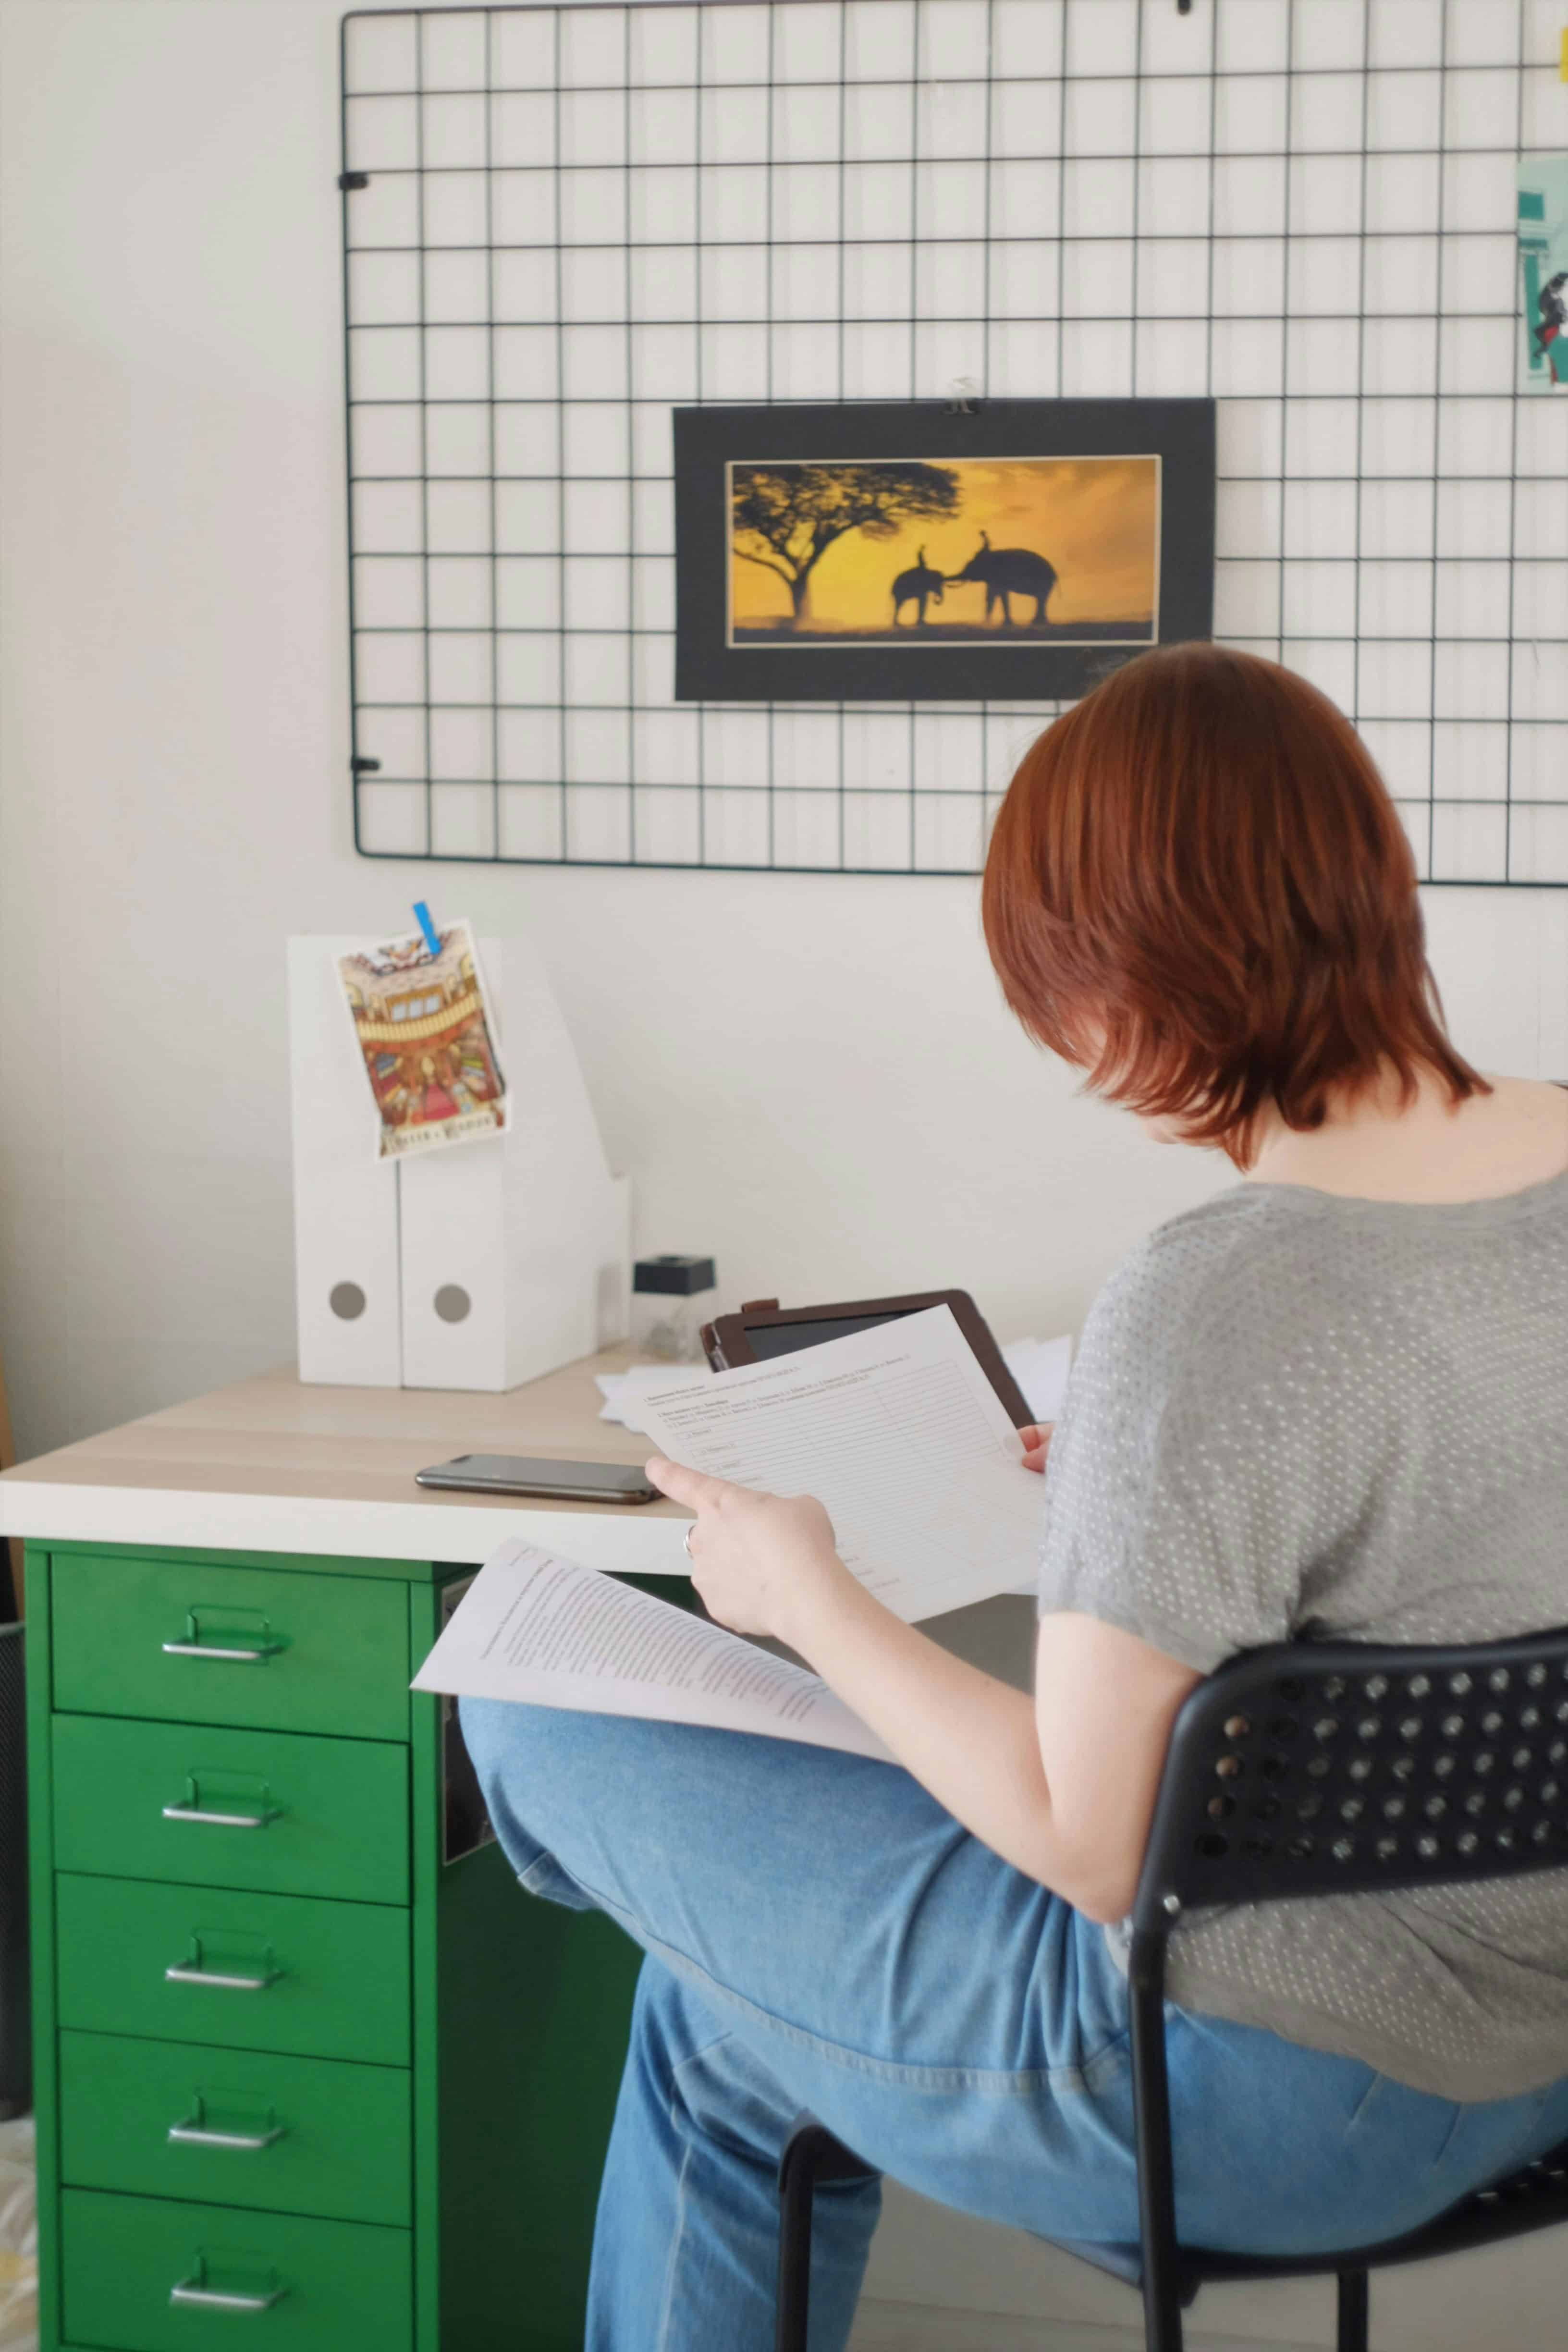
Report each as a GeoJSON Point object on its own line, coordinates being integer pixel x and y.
{"type": "Point", "coordinates": [919, 587]}
{"type": "Point", "coordinates": [921, 552]}
{"type": "Point", "coordinates": [898, 551]}
{"type": "Point", "coordinates": [1006, 573]}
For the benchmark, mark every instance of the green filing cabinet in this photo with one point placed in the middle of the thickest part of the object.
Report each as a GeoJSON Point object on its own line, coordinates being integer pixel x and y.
{"type": "Point", "coordinates": [312, 2073]}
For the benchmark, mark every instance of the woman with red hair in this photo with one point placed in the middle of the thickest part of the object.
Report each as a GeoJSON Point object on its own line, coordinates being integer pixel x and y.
{"type": "Point", "coordinates": [1332, 1399]}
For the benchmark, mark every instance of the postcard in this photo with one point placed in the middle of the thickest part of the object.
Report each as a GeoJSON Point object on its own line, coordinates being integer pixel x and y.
{"type": "Point", "coordinates": [1544, 272]}
{"type": "Point", "coordinates": [423, 1026]}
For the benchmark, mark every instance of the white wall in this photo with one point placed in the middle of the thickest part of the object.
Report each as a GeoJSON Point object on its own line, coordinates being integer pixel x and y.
{"type": "Point", "coordinates": [814, 1078]}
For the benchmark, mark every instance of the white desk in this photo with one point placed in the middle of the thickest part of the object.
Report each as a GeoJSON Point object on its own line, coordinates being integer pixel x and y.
{"type": "Point", "coordinates": [269, 1464]}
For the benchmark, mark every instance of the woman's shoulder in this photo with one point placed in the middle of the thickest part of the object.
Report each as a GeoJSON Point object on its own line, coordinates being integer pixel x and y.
{"type": "Point", "coordinates": [1242, 1270]}
{"type": "Point", "coordinates": [1206, 1249]}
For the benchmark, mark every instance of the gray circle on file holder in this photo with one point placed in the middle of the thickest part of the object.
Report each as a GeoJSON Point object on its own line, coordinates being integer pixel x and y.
{"type": "Point", "coordinates": [346, 1300]}
{"type": "Point", "coordinates": [452, 1302]}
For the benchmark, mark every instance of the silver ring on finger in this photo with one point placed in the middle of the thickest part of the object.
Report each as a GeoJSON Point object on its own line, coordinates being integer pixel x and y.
{"type": "Point", "coordinates": [686, 1539]}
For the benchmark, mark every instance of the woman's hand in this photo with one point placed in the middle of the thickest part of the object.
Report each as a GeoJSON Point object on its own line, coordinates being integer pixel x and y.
{"type": "Point", "coordinates": [1037, 1439]}
{"type": "Point", "coordinates": [756, 1559]}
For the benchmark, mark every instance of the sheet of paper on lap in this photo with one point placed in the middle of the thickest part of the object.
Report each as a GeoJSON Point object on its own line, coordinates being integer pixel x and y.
{"type": "Point", "coordinates": [534, 1627]}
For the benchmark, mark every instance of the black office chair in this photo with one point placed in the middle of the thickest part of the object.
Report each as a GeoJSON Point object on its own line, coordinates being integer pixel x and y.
{"type": "Point", "coordinates": [1319, 1768]}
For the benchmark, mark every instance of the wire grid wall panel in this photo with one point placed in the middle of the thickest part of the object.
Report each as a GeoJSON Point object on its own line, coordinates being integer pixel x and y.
{"type": "Point", "coordinates": [576, 218]}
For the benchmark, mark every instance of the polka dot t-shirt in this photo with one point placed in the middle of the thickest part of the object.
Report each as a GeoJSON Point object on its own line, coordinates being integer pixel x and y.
{"type": "Point", "coordinates": [1292, 1411]}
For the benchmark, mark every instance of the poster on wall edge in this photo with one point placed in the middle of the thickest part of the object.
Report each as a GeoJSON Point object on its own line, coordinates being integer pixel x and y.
{"type": "Point", "coordinates": [1543, 275]}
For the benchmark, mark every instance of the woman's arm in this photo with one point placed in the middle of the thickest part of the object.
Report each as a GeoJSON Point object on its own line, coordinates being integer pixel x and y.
{"type": "Point", "coordinates": [1061, 1786]}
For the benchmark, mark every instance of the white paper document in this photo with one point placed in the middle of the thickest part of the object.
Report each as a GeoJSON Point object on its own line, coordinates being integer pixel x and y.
{"type": "Point", "coordinates": [1040, 1367]}
{"type": "Point", "coordinates": [538, 1628]}
{"type": "Point", "coordinates": [899, 1433]}
{"type": "Point", "coordinates": [621, 1391]}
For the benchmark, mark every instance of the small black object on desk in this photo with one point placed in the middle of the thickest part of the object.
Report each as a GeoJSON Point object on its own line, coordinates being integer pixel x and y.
{"type": "Point", "coordinates": [684, 1289]}
{"type": "Point", "coordinates": [672, 1276]}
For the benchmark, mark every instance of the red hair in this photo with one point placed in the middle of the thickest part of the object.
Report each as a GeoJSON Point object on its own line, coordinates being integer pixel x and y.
{"type": "Point", "coordinates": [1199, 890]}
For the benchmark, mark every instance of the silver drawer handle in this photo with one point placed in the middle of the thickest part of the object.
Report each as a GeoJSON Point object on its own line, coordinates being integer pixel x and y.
{"type": "Point", "coordinates": [192, 1972]}
{"type": "Point", "coordinates": [230, 1644]}
{"type": "Point", "coordinates": [257, 1657]}
{"type": "Point", "coordinates": [195, 1812]}
{"type": "Point", "coordinates": [194, 2133]}
{"type": "Point", "coordinates": [212, 2298]}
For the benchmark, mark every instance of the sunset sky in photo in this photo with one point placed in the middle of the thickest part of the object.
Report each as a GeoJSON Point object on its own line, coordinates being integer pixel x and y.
{"type": "Point", "coordinates": [1095, 519]}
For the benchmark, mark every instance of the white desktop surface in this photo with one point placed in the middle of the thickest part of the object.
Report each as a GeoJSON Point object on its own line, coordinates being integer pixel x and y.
{"type": "Point", "coordinates": [272, 1465]}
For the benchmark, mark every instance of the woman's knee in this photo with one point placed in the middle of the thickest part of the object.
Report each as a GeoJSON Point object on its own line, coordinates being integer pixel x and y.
{"type": "Point", "coordinates": [482, 1727]}
{"type": "Point", "coordinates": [516, 1750]}
{"type": "Point", "coordinates": [511, 1748]}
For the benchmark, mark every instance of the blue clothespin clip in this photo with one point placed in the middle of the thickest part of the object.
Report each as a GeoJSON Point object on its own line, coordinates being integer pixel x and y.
{"type": "Point", "coordinates": [432, 935]}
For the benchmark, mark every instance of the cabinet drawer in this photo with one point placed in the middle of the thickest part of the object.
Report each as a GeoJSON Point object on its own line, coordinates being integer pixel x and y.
{"type": "Point", "coordinates": [236, 2128]}
{"type": "Point", "coordinates": [299, 2285]}
{"type": "Point", "coordinates": [218, 1807]}
{"type": "Point", "coordinates": [257, 1971]}
{"type": "Point", "coordinates": [249, 1645]}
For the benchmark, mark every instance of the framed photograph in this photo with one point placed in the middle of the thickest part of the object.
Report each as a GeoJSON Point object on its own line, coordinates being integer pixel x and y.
{"type": "Point", "coordinates": [904, 554]}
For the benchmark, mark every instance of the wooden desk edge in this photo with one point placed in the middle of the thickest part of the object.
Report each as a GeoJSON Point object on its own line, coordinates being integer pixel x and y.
{"type": "Point", "coordinates": [259, 1466]}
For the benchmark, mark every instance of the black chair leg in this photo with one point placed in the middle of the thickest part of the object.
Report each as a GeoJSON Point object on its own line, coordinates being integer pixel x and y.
{"type": "Point", "coordinates": [797, 2182]}
{"type": "Point", "coordinates": [811, 2154]}
{"type": "Point", "coordinates": [1353, 2312]}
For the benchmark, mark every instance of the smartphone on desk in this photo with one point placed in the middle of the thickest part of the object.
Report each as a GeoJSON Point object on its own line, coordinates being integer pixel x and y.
{"type": "Point", "coordinates": [515, 1474]}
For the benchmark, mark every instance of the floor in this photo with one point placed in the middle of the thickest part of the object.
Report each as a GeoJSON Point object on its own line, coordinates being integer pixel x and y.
{"type": "Point", "coordinates": [909, 2327]}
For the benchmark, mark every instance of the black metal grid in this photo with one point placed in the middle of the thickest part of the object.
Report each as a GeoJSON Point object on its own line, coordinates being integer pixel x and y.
{"type": "Point", "coordinates": [573, 218]}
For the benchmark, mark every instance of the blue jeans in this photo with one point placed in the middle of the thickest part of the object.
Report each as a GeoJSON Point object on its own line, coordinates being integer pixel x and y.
{"type": "Point", "coordinates": [821, 1933]}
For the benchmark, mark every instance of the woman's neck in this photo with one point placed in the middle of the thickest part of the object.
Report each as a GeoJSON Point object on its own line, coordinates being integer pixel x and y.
{"type": "Point", "coordinates": [1372, 1147]}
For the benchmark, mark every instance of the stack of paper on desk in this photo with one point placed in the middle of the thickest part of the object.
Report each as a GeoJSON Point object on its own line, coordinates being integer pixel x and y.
{"type": "Point", "coordinates": [623, 1391]}
{"type": "Point", "coordinates": [1040, 1367]}
{"type": "Point", "coordinates": [897, 1430]}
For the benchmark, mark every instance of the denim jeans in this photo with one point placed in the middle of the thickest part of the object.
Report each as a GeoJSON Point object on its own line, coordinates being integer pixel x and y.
{"type": "Point", "coordinates": [821, 1933]}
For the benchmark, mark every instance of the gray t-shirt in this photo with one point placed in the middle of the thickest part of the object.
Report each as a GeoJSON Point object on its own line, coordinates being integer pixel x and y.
{"type": "Point", "coordinates": [1292, 1410]}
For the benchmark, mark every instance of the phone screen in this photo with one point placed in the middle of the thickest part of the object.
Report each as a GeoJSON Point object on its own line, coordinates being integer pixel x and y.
{"type": "Point", "coordinates": [514, 1474]}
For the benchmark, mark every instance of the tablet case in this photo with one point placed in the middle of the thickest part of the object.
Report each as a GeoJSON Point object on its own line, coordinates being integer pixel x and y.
{"type": "Point", "coordinates": [727, 1342]}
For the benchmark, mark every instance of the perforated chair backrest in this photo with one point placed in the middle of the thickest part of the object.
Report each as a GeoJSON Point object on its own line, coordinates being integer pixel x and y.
{"type": "Point", "coordinates": [1318, 1768]}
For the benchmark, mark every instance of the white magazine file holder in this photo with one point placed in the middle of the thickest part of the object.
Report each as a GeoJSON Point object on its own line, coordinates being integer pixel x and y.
{"type": "Point", "coordinates": [473, 1265]}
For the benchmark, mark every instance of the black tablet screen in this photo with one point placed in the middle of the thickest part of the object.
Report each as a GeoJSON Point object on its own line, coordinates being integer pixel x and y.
{"type": "Point", "coordinates": [783, 1338]}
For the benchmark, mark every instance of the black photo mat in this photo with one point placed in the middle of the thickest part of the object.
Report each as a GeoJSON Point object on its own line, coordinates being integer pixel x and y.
{"type": "Point", "coordinates": [1009, 623]}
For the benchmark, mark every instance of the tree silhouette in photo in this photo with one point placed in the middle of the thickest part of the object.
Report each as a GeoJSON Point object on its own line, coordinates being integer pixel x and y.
{"type": "Point", "coordinates": [793, 514]}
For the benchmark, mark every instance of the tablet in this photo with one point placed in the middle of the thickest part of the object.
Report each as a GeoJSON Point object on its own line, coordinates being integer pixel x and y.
{"type": "Point", "coordinates": [763, 1329]}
